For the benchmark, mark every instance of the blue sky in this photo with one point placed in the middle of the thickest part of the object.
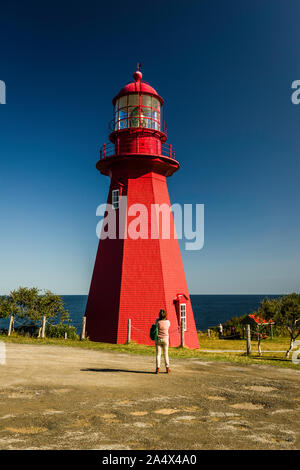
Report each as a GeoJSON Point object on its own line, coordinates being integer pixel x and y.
{"type": "Point", "coordinates": [225, 70]}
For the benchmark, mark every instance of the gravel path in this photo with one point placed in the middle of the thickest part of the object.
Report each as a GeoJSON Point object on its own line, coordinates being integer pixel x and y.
{"type": "Point", "coordinates": [54, 397]}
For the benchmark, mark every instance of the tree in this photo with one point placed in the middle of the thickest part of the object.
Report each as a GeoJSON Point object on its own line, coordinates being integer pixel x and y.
{"type": "Point", "coordinates": [259, 322]}
{"type": "Point", "coordinates": [8, 307]}
{"type": "Point", "coordinates": [285, 311]}
{"type": "Point", "coordinates": [30, 306]}
{"type": "Point", "coordinates": [3, 313]}
{"type": "Point", "coordinates": [52, 306]}
{"type": "Point", "coordinates": [26, 301]}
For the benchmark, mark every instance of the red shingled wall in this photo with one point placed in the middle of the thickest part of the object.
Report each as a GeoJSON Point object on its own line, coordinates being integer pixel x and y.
{"type": "Point", "coordinates": [136, 278]}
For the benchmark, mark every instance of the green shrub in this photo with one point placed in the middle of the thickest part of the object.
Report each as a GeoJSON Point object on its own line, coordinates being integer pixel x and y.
{"type": "Point", "coordinates": [58, 331]}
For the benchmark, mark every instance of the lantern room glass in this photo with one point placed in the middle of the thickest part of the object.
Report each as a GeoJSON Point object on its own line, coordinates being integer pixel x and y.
{"type": "Point", "coordinates": [137, 110]}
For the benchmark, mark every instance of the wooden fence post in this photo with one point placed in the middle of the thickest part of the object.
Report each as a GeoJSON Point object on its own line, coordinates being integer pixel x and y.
{"type": "Point", "coordinates": [259, 344]}
{"type": "Point", "coordinates": [259, 335]}
{"type": "Point", "coordinates": [271, 331]}
{"type": "Point", "coordinates": [44, 326]}
{"type": "Point", "coordinates": [11, 324]}
{"type": "Point", "coordinates": [208, 332]}
{"type": "Point", "coordinates": [128, 331]}
{"type": "Point", "coordinates": [248, 339]}
{"type": "Point", "coordinates": [83, 327]}
{"type": "Point", "coordinates": [182, 334]}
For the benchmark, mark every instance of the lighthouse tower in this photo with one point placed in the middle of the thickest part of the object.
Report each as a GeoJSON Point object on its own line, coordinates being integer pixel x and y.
{"type": "Point", "coordinates": [135, 277]}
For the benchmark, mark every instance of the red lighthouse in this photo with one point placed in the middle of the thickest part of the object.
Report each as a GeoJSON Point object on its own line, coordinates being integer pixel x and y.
{"type": "Point", "coordinates": [134, 278]}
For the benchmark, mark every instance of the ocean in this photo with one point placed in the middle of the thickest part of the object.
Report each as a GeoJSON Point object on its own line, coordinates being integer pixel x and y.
{"type": "Point", "coordinates": [209, 310]}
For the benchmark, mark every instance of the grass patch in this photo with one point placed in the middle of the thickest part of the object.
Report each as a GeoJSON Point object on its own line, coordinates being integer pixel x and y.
{"type": "Point", "coordinates": [268, 358]}
{"type": "Point", "coordinates": [276, 344]}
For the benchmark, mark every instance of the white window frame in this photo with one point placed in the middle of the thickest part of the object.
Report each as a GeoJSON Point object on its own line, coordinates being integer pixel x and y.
{"type": "Point", "coordinates": [183, 317]}
{"type": "Point", "coordinates": [115, 198]}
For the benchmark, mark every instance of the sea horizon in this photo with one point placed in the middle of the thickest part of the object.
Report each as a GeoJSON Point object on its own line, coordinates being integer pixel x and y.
{"type": "Point", "coordinates": [209, 309]}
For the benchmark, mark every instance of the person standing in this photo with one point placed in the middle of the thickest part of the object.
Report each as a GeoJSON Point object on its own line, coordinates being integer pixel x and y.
{"type": "Point", "coordinates": [162, 342]}
{"type": "Point", "coordinates": [220, 330]}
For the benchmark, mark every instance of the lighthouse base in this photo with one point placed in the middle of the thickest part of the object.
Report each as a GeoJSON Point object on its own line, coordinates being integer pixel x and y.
{"type": "Point", "coordinates": [135, 278]}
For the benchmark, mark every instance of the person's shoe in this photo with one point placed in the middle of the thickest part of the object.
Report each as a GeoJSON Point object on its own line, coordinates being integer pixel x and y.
{"type": "Point", "coordinates": [168, 370]}
{"type": "Point", "coordinates": [157, 370]}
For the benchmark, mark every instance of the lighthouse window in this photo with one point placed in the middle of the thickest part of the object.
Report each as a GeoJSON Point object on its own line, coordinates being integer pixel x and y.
{"type": "Point", "coordinates": [145, 117]}
{"type": "Point", "coordinates": [155, 103]}
{"type": "Point", "coordinates": [133, 117]}
{"type": "Point", "coordinates": [146, 100]}
{"type": "Point", "coordinates": [122, 118]}
{"type": "Point", "coordinates": [155, 120]}
{"type": "Point", "coordinates": [183, 316]}
{"type": "Point", "coordinates": [155, 115]}
{"type": "Point", "coordinates": [133, 100]}
{"type": "Point", "coordinates": [115, 198]}
{"type": "Point", "coordinates": [122, 102]}
{"type": "Point", "coordinates": [116, 121]}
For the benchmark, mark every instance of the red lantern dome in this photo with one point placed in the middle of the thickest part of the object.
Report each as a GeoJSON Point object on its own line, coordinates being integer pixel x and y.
{"type": "Point", "coordinates": [138, 86]}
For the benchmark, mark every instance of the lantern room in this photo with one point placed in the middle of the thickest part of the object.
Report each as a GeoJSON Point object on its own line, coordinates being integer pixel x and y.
{"type": "Point", "coordinates": [137, 110]}
{"type": "Point", "coordinates": [138, 106]}
{"type": "Point", "coordinates": [137, 127]}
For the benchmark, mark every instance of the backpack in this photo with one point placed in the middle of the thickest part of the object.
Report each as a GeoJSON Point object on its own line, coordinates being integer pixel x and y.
{"type": "Point", "coordinates": [154, 332]}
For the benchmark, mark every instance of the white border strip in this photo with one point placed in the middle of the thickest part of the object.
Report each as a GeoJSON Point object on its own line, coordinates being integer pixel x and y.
{"type": "Point", "coordinates": [2, 353]}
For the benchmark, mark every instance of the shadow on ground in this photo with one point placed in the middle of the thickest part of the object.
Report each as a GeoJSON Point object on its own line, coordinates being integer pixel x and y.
{"type": "Point", "coordinates": [118, 370]}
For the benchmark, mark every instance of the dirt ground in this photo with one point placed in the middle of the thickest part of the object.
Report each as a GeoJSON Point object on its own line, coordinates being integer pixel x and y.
{"type": "Point", "coordinates": [54, 397]}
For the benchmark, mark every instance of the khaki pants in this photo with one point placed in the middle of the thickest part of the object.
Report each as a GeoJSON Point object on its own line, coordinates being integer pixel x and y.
{"type": "Point", "coordinates": [162, 344]}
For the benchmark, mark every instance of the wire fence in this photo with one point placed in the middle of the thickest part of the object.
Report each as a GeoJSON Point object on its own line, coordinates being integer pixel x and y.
{"type": "Point", "coordinates": [146, 334]}
{"type": "Point", "coordinates": [141, 333]}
